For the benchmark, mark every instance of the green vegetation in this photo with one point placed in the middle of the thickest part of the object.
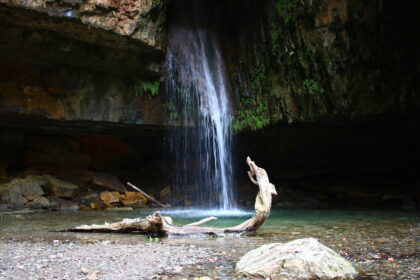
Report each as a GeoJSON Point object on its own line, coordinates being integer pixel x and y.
{"type": "Point", "coordinates": [150, 87]}
{"type": "Point", "coordinates": [258, 79]}
{"type": "Point", "coordinates": [285, 9]}
{"type": "Point", "coordinates": [312, 87]}
{"type": "Point", "coordinates": [251, 116]}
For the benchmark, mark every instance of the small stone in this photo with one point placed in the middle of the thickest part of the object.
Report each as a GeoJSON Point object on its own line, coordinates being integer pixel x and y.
{"type": "Point", "coordinates": [177, 269]}
{"type": "Point", "coordinates": [84, 270]}
{"type": "Point", "coordinates": [93, 276]}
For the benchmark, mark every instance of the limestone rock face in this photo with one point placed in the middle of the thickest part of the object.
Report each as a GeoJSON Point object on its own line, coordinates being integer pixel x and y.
{"type": "Point", "coordinates": [82, 60]}
{"type": "Point", "coordinates": [142, 20]}
{"type": "Point", "coordinates": [299, 259]}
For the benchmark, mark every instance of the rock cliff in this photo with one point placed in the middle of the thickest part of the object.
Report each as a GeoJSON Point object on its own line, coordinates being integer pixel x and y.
{"type": "Point", "coordinates": [82, 60]}
{"type": "Point", "coordinates": [317, 60]}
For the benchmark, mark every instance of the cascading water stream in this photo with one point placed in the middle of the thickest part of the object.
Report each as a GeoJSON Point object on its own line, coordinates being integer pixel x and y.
{"type": "Point", "coordinates": [200, 105]}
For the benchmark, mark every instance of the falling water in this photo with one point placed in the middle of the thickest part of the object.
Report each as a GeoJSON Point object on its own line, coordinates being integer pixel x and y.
{"type": "Point", "coordinates": [199, 103]}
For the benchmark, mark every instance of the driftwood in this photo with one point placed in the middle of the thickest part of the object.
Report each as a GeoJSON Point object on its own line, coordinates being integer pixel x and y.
{"type": "Point", "coordinates": [146, 195]}
{"type": "Point", "coordinates": [157, 224]}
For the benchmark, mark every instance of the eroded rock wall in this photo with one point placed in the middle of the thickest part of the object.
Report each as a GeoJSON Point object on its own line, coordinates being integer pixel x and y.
{"type": "Point", "coordinates": [142, 20]}
{"type": "Point", "coordinates": [82, 60]}
{"type": "Point", "coordinates": [331, 89]}
{"type": "Point", "coordinates": [303, 61]}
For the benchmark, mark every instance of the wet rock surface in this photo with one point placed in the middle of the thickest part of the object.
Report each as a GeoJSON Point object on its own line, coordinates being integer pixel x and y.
{"type": "Point", "coordinates": [298, 259]}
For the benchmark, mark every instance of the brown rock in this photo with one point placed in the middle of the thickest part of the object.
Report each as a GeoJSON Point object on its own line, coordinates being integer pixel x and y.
{"type": "Point", "coordinates": [134, 199]}
{"type": "Point", "coordinates": [332, 10]}
{"type": "Point", "coordinates": [95, 206]}
{"type": "Point", "coordinates": [91, 201]}
{"type": "Point", "coordinates": [110, 197]}
{"type": "Point", "coordinates": [107, 181]}
{"type": "Point", "coordinates": [60, 188]}
{"type": "Point", "coordinates": [89, 196]}
{"type": "Point", "coordinates": [137, 195]}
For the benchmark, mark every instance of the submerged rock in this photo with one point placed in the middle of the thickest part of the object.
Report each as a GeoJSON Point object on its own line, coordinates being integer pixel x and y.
{"type": "Point", "coordinates": [299, 259]}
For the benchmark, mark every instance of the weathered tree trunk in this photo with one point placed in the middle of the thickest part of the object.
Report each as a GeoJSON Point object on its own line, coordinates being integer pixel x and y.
{"type": "Point", "coordinates": [161, 225]}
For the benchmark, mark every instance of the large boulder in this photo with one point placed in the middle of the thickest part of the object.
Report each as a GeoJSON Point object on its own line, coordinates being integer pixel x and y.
{"type": "Point", "coordinates": [25, 192]}
{"type": "Point", "coordinates": [134, 199]}
{"type": "Point", "coordinates": [60, 188]}
{"type": "Point", "coordinates": [107, 181]}
{"type": "Point", "coordinates": [110, 198]}
{"type": "Point", "coordinates": [299, 259]}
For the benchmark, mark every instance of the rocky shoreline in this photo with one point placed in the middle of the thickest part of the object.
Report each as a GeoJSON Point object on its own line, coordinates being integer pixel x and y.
{"type": "Point", "coordinates": [95, 259]}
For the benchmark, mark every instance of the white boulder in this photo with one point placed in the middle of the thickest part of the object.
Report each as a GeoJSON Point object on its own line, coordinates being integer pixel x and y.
{"type": "Point", "coordinates": [299, 259]}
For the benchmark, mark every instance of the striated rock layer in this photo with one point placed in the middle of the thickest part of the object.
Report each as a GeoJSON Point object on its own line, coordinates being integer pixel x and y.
{"type": "Point", "coordinates": [142, 20]}
{"type": "Point", "coordinates": [82, 60]}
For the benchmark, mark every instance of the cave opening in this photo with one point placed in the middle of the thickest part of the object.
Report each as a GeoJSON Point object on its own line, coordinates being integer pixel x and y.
{"type": "Point", "coordinates": [337, 96]}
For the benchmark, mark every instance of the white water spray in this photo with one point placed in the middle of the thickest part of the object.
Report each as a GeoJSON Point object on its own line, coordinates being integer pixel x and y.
{"type": "Point", "coordinates": [199, 99]}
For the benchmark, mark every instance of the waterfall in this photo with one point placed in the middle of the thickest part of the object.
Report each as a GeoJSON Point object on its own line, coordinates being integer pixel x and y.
{"type": "Point", "coordinates": [198, 101]}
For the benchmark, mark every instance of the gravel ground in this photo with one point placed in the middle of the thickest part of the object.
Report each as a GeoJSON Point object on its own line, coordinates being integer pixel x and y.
{"type": "Point", "coordinates": [56, 259]}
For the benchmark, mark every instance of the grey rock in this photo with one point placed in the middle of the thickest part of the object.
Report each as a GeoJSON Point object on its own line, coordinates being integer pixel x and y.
{"type": "Point", "coordinates": [299, 259]}
{"type": "Point", "coordinates": [39, 202]}
{"type": "Point", "coordinates": [22, 190]}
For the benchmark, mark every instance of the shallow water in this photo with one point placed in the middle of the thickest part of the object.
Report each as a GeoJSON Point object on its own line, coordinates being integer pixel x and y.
{"type": "Point", "coordinates": [380, 244]}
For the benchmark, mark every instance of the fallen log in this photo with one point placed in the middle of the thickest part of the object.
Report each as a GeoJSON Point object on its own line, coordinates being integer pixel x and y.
{"type": "Point", "coordinates": [157, 224]}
